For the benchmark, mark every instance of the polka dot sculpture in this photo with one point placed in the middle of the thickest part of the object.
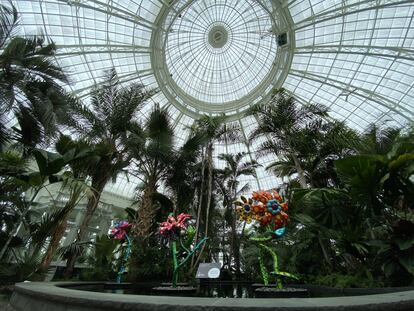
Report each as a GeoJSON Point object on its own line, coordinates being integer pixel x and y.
{"type": "Point", "coordinates": [269, 210]}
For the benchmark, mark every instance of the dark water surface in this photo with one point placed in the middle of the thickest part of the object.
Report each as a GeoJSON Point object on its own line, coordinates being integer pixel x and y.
{"type": "Point", "coordinates": [227, 289]}
{"type": "Point", "coordinates": [219, 289]}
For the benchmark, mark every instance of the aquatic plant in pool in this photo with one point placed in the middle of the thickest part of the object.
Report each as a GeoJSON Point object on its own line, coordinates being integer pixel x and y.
{"type": "Point", "coordinates": [120, 232]}
{"type": "Point", "coordinates": [269, 210]}
{"type": "Point", "coordinates": [179, 235]}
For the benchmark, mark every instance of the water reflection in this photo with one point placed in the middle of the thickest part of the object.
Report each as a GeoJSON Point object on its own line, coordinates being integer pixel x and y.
{"type": "Point", "coordinates": [225, 290]}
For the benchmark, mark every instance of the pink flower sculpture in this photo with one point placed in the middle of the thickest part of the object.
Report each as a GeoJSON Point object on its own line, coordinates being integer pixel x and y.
{"type": "Point", "coordinates": [172, 226]}
{"type": "Point", "coordinates": [120, 230]}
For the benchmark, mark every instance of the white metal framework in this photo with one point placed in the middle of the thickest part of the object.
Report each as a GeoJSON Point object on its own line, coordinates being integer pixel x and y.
{"type": "Point", "coordinates": [220, 56]}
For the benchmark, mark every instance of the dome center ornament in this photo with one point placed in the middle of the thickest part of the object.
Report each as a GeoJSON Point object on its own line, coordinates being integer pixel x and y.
{"type": "Point", "coordinates": [217, 36]}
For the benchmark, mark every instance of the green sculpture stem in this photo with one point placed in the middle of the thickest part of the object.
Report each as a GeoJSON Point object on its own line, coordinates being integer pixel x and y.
{"type": "Point", "coordinates": [263, 270]}
{"type": "Point", "coordinates": [262, 250]}
{"type": "Point", "coordinates": [177, 265]}
{"type": "Point", "coordinates": [265, 274]}
{"type": "Point", "coordinates": [182, 245]}
{"type": "Point", "coordinates": [275, 264]}
{"type": "Point", "coordinates": [261, 239]}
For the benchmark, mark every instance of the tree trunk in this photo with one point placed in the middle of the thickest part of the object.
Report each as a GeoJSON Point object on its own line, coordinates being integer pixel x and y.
{"type": "Point", "coordinates": [300, 171]}
{"type": "Point", "coordinates": [97, 188]}
{"type": "Point", "coordinates": [231, 250]}
{"type": "Point", "coordinates": [54, 244]}
{"type": "Point", "coordinates": [209, 195]}
{"type": "Point", "coordinates": [236, 248]}
{"type": "Point", "coordinates": [200, 202]}
{"type": "Point", "coordinates": [59, 231]}
{"type": "Point", "coordinates": [235, 238]}
{"type": "Point", "coordinates": [146, 211]}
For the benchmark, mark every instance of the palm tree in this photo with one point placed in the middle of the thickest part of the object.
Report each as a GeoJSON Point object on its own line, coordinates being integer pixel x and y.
{"type": "Point", "coordinates": [328, 141]}
{"type": "Point", "coordinates": [212, 129]}
{"type": "Point", "coordinates": [287, 128]}
{"type": "Point", "coordinates": [377, 139]}
{"type": "Point", "coordinates": [152, 147]}
{"type": "Point", "coordinates": [30, 82]}
{"type": "Point", "coordinates": [108, 126]}
{"type": "Point", "coordinates": [228, 184]}
{"type": "Point", "coordinates": [183, 173]}
{"type": "Point", "coordinates": [75, 185]}
{"type": "Point", "coordinates": [363, 222]}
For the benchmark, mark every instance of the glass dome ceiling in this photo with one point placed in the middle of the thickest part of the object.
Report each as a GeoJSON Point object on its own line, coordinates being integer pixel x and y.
{"type": "Point", "coordinates": [220, 56]}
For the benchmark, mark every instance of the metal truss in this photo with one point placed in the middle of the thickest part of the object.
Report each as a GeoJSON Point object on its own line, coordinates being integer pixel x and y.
{"type": "Point", "coordinates": [376, 51]}
{"type": "Point", "coordinates": [344, 10]}
{"type": "Point", "coordinates": [358, 91]}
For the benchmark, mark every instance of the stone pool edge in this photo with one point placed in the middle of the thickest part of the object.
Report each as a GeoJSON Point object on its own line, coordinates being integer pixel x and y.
{"type": "Point", "coordinates": [45, 296]}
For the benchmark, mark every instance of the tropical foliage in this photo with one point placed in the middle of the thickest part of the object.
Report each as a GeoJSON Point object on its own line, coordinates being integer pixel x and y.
{"type": "Point", "coordinates": [350, 194]}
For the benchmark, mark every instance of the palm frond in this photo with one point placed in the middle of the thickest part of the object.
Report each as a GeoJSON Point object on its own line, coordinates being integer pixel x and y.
{"type": "Point", "coordinates": [283, 167]}
{"type": "Point", "coordinates": [35, 59]}
{"type": "Point", "coordinates": [8, 21]}
{"type": "Point", "coordinates": [30, 132]}
{"type": "Point", "coordinates": [378, 140]}
{"type": "Point", "coordinates": [48, 223]}
{"type": "Point", "coordinates": [244, 189]}
{"type": "Point", "coordinates": [77, 247]}
{"type": "Point", "coordinates": [267, 147]}
{"type": "Point", "coordinates": [160, 134]}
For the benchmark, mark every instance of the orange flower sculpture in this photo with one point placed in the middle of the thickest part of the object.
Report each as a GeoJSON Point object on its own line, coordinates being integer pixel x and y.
{"type": "Point", "coordinates": [268, 208]}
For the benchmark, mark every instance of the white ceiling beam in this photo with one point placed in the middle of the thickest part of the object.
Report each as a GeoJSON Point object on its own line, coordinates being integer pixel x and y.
{"type": "Point", "coordinates": [377, 51]}
{"type": "Point", "coordinates": [105, 8]}
{"type": "Point", "coordinates": [344, 10]}
{"type": "Point", "coordinates": [357, 91]}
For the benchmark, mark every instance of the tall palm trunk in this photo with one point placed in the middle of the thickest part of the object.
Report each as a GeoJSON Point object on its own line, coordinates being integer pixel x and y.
{"type": "Point", "coordinates": [60, 229]}
{"type": "Point", "coordinates": [200, 202]}
{"type": "Point", "coordinates": [236, 247]}
{"type": "Point", "coordinates": [209, 196]}
{"type": "Point", "coordinates": [235, 240]}
{"type": "Point", "coordinates": [91, 206]}
{"type": "Point", "coordinates": [54, 244]}
{"type": "Point", "coordinates": [300, 171]}
{"type": "Point", "coordinates": [146, 212]}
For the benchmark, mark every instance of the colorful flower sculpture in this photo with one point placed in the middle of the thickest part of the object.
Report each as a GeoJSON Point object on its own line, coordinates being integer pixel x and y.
{"type": "Point", "coordinates": [172, 227]}
{"type": "Point", "coordinates": [269, 209]}
{"type": "Point", "coordinates": [120, 232]}
{"type": "Point", "coordinates": [176, 230]}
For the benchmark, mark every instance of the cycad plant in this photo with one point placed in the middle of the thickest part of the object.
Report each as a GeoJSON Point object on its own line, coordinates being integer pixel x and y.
{"type": "Point", "coordinates": [108, 124]}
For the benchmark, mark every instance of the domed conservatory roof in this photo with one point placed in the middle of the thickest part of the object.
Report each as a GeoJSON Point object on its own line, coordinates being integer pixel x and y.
{"type": "Point", "coordinates": [221, 56]}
